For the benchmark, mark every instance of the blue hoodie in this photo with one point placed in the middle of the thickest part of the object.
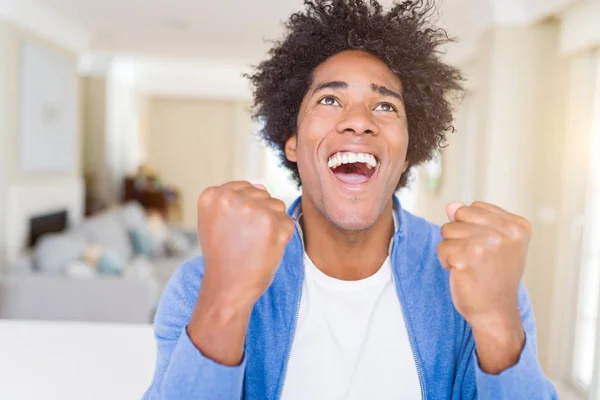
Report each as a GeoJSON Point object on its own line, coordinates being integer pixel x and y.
{"type": "Point", "coordinates": [441, 339]}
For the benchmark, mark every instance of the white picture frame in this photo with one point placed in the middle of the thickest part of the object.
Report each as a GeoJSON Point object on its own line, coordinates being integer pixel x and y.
{"type": "Point", "coordinates": [48, 121]}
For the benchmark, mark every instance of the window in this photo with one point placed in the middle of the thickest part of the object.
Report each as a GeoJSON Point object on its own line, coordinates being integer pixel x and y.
{"type": "Point", "coordinates": [408, 196]}
{"type": "Point", "coordinates": [277, 178]}
{"type": "Point", "coordinates": [586, 329]}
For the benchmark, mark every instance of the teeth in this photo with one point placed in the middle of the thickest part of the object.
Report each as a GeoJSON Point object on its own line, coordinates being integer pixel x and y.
{"type": "Point", "coordinates": [371, 162]}
{"type": "Point", "coordinates": [348, 158]}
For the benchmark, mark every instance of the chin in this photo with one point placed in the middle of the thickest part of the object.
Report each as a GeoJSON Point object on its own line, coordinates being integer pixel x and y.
{"type": "Point", "coordinates": [352, 217]}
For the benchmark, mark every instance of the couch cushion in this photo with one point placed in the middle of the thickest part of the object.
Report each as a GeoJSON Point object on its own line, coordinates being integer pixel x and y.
{"type": "Point", "coordinates": [109, 230]}
{"type": "Point", "coordinates": [55, 251]}
{"type": "Point", "coordinates": [133, 215]}
{"type": "Point", "coordinates": [139, 267]}
{"type": "Point", "coordinates": [80, 270]}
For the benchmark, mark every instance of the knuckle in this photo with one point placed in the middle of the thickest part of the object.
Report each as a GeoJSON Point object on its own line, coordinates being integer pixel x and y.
{"type": "Point", "coordinates": [291, 226]}
{"type": "Point", "coordinates": [462, 213]}
{"type": "Point", "coordinates": [457, 261]}
{"type": "Point", "coordinates": [267, 220]}
{"type": "Point", "coordinates": [445, 230]}
{"type": "Point", "coordinates": [287, 231]}
{"type": "Point", "coordinates": [527, 227]}
{"type": "Point", "coordinates": [207, 196]}
{"type": "Point", "coordinates": [226, 198]}
{"type": "Point", "coordinates": [515, 231]}
{"type": "Point", "coordinates": [441, 246]}
{"type": "Point", "coordinates": [285, 235]}
{"type": "Point", "coordinates": [477, 250]}
{"type": "Point", "coordinates": [520, 228]}
{"type": "Point", "coordinates": [279, 205]}
{"type": "Point", "coordinates": [494, 238]}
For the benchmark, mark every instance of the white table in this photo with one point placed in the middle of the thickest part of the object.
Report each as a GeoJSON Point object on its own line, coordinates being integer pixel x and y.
{"type": "Point", "coordinates": [79, 361]}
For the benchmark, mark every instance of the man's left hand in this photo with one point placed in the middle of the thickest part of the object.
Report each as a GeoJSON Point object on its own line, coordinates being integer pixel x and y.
{"type": "Point", "coordinates": [485, 248]}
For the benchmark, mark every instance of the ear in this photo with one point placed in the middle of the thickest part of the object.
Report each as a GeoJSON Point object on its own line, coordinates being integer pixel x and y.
{"type": "Point", "coordinates": [290, 149]}
{"type": "Point", "coordinates": [405, 166]}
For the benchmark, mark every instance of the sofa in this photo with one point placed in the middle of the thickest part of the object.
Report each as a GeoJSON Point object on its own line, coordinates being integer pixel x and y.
{"type": "Point", "coordinates": [55, 282]}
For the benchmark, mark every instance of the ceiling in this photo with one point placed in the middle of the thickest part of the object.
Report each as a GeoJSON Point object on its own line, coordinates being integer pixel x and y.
{"type": "Point", "coordinates": [201, 48]}
{"type": "Point", "coordinates": [197, 28]}
{"type": "Point", "coordinates": [224, 29]}
{"type": "Point", "coordinates": [232, 31]}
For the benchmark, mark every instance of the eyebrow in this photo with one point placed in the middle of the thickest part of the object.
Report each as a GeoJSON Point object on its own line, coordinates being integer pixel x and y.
{"type": "Point", "coordinates": [331, 85]}
{"type": "Point", "coordinates": [382, 90]}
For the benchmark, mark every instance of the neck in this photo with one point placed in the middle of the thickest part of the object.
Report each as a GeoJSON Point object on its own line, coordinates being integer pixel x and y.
{"type": "Point", "coordinates": [343, 254]}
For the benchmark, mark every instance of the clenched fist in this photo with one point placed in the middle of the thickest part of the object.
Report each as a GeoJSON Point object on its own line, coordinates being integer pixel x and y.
{"type": "Point", "coordinates": [485, 248]}
{"type": "Point", "coordinates": [243, 233]}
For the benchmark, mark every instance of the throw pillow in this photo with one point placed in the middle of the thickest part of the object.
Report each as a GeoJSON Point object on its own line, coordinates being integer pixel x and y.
{"type": "Point", "coordinates": [110, 263]}
{"type": "Point", "coordinates": [55, 250]}
{"type": "Point", "coordinates": [104, 261]}
{"type": "Point", "coordinates": [142, 241]}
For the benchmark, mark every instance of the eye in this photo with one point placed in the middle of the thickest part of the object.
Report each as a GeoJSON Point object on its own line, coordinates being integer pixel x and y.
{"type": "Point", "coordinates": [387, 107]}
{"type": "Point", "coordinates": [329, 101]}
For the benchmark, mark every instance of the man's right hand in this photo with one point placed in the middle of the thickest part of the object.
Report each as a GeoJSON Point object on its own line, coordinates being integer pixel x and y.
{"type": "Point", "coordinates": [243, 233]}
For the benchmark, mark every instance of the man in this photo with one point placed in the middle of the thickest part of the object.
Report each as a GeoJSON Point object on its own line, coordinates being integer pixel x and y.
{"type": "Point", "coordinates": [347, 296]}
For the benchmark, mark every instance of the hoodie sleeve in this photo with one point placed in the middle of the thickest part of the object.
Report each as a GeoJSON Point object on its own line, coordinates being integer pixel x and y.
{"type": "Point", "coordinates": [524, 380]}
{"type": "Point", "coordinates": [182, 371]}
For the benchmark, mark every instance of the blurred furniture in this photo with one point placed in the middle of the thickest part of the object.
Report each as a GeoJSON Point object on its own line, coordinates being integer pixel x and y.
{"type": "Point", "coordinates": [71, 361]}
{"type": "Point", "coordinates": [39, 286]}
{"type": "Point", "coordinates": [38, 296]}
{"type": "Point", "coordinates": [47, 223]}
{"type": "Point", "coordinates": [146, 188]}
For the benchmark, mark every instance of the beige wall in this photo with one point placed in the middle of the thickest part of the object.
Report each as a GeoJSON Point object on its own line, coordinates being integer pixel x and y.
{"type": "Point", "coordinates": [192, 144]}
{"type": "Point", "coordinates": [143, 101]}
{"type": "Point", "coordinates": [545, 180]}
{"type": "Point", "coordinates": [93, 101]}
{"type": "Point", "coordinates": [515, 112]}
{"type": "Point", "coordinates": [12, 37]}
{"type": "Point", "coordinates": [3, 137]}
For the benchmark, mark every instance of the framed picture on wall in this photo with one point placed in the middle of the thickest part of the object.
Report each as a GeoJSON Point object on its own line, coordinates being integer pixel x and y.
{"type": "Point", "coordinates": [48, 111]}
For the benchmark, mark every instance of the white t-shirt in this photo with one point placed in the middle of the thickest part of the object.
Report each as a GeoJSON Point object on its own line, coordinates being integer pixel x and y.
{"type": "Point", "coordinates": [351, 341]}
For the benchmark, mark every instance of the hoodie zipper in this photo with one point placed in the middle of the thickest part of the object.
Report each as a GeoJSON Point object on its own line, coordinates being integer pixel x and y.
{"type": "Point", "coordinates": [295, 325]}
{"type": "Point", "coordinates": [410, 337]}
{"type": "Point", "coordinates": [289, 351]}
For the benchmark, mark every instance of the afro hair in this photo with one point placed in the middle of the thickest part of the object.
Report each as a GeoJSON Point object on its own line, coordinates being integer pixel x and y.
{"type": "Point", "coordinates": [403, 37]}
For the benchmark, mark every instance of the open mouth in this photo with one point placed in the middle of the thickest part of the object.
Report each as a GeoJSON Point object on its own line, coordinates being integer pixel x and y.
{"type": "Point", "coordinates": [353, 168]}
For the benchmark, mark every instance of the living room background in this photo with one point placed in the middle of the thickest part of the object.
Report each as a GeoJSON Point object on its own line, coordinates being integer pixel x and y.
{"type": "Point", "coordinates": [160, 111]}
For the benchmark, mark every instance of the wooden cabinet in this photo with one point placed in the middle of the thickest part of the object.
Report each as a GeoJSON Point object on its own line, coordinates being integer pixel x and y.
{"type": "Point", "coordinates": [165, 200]}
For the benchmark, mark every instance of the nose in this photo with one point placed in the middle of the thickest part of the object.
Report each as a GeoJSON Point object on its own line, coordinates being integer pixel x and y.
{"type": "Point", "coordinates": [357, 120]}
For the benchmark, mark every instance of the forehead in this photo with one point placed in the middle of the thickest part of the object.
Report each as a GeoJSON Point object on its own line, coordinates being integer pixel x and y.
{"type": "Point", "coordinates": [355, 68]}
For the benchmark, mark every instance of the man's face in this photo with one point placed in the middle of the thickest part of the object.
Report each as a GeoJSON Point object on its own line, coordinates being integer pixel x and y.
{"type": "Point", "coordinates": [352, 137]}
